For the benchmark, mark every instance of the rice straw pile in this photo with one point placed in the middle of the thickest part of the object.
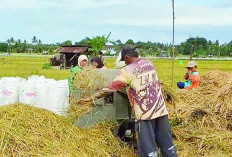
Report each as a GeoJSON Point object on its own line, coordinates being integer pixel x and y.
{"type": "Point", "coordinates": [202, 120]}
{"type": "Point", "coordinates": [30, 131]}
{"type": "Point", "coordinates": [88, 82]}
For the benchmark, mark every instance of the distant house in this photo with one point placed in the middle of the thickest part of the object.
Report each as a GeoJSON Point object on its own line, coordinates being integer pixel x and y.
{"type": "Point", "coordinates": [109, 48]}
{"type": "Point", "coordinates": [69, 54]}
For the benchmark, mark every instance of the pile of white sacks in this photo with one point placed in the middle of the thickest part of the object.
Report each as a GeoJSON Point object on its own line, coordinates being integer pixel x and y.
{"type": "Point", "coordinates": [37, 91]}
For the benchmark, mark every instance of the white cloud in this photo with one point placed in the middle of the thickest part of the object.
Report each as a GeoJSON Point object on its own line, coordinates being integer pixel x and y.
{"type": "Point", "coordinates": [18, 4]}
{"type": "Point", "coordinates": [201, 15]}
{"type": "Point", "coordinates": [137, 12]}
{"type": "Point", "coordinates": [65, 4]}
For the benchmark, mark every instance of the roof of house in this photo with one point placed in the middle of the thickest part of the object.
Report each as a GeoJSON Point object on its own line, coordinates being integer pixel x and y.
{"type": "Point", "coordinates": [72, 49]}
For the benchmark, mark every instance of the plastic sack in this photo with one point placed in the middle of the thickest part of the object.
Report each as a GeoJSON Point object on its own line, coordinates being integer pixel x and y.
{"type": "Point", "coordinates": [58, 96]}
{"type": "Point", "coordinates": [27, 92]}
{"type": "Point", "coordinates": [9, 90]}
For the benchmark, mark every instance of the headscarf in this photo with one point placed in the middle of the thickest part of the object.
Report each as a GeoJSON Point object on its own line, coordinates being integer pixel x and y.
{"type": "Point", "coordinates": [99, 62]}
{"type": "Point", "coordinates": [81, 58]}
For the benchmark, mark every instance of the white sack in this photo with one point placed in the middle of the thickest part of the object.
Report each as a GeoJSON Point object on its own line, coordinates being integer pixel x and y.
{"type": "Point", "coordinates": [9, 87]}
{"type": "Point", "coordinates": [27, 92]}
{"type": "Point", "coordinates": [58, 96]}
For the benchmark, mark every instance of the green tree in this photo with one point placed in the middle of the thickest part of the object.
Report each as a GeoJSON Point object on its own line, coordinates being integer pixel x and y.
{"type": "Point", "coordinates": [34, 40]}
{"type": "Point", "coordinates": [83, 42]}
{"type": "Point", "coordinates": [3, 47]}
{"type": "Point", "coordinates": [118, 41]}
{"type": "Point", "coordinates": [130, 42]}
{"type": "Point", "coordinates": [67, 43]}
{"type": "Point", "coordinates": [97, 44]}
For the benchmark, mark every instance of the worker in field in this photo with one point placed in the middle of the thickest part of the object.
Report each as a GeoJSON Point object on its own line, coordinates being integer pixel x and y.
{"type": "Point", "coordinates": [98, 63]}
{"type": "Point", "coordinates": [192, 77]}
{"type": "Point", "coordinates": [82, 63]}
{"type": "Point", "coordinates": [147, 103]}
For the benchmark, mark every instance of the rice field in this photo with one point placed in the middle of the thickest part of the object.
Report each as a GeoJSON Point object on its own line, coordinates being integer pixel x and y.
{"type": "Point", "coordinates": [201, 119]}
{"type": "Point", "coordinates": [24, 66]}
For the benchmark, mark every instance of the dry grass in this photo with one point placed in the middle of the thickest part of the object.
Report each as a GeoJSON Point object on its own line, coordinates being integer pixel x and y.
{"type": "Point", "coordinates": [30, 131]}
{"type": "Point", "coordinates": [202, 119]}
{"type": "Point", "coordinates": [86, 84]}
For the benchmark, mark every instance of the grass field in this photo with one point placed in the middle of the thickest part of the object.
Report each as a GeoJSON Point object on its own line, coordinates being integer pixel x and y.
{"type": "Point", "coordinates": [24, 66]}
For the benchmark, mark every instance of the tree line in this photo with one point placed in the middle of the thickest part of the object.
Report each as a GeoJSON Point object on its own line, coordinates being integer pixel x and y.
{"type": "Point", "coordinates": [194, 46]}
{"type": "Point", "coordinates": [35, 46]}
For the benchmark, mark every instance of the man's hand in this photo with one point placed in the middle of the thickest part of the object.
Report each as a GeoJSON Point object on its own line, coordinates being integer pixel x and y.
{"type": "Point", "coordinates": [84, 101]}
{"type": "Point", "coordinates": [186, 76]}
{"type": "Point", "coordinates": [107, 90]}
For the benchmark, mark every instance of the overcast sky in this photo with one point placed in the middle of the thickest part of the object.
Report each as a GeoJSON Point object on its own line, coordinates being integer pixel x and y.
{"type": "Point", "coordinates": [141, 20]}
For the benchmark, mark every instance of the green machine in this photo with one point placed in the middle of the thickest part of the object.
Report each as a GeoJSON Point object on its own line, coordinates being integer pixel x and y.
{"type": "Point", "coordinates": [114, 107]}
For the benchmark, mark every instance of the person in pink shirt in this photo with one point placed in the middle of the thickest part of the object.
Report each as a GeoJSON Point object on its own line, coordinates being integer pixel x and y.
{"type": "Point", "coordinates": [140, 78]}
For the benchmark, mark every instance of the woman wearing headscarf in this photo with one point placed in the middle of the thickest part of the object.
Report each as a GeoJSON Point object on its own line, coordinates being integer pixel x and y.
{"type": "Point", "coordinates": [82, 63]}
{"type": "Point", "coordinates": [97, 63]}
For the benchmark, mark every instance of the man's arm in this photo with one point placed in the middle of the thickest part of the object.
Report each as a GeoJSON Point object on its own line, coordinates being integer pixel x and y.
{"type": "Point", "coordinates": [121, 81]}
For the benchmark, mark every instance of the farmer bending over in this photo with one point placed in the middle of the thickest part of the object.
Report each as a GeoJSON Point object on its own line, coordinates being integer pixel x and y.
{"type": "Point", "coordinates": [192, 77]}
{"type": "Point", "coordinates": [147, 102]}
{"type": "Point", "coordinates": [82, 63]}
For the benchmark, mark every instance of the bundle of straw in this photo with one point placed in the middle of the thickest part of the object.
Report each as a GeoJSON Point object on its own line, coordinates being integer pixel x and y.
{"type": "Point", "coordinates": [202, 120]}
{"type": "Point", "coordinates": [30, 131]}
{"type": "Point", "coordinates": [88, 82]}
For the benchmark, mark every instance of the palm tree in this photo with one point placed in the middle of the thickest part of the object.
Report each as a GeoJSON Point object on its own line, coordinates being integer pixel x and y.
{"type": "Point", "coordinates": [19, 41]}
{"type": "Point", "coordinates": [11, 40]}
{"type": "Point", "coordinates": [39, 42]}
{"type": "Point", "coordinates": [34, 40]}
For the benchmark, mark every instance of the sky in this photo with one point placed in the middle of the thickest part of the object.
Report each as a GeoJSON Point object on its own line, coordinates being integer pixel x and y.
{"type": "Point", "coordinates": [55, 21]}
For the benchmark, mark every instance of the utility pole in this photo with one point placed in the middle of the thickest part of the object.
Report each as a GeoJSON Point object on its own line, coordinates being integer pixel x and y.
{"type": "Point", "coordinates": [191, 52]}
{"type": "Point", "coordinates": [173, 40]}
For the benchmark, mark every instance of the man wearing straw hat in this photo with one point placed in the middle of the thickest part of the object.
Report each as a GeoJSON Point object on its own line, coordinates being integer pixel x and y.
{"type": "Point", "coordinates": [147, 103]}
{"type": "Point", "coordinates": [192, 77]}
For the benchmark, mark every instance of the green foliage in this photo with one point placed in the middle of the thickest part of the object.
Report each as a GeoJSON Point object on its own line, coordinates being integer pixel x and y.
{"type": "Point", "coordinates": [47, 66]}
{"type": "Point", "coordinates": [130, 42]}
{"type": "Point", "coordinates": [19, 46]}
{"type": "Point", "coordinates": [83, 42]}
{"type": "Point", "coordinates": [3, 46]}
{"type": "Point", "coordinates": [67, 43]}
{"type": "Point", "coordinates": [199, 46]}
{"type": "Point", "coordinates": [195, 46]}
{"type": "Point", "coordinates": [97, 44]}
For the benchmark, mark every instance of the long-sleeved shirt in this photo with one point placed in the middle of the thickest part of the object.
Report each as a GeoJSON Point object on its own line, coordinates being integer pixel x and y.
{"type": "Point", "coordinates": [74, 71]}
{"type": "Point", "coordinates": [193, 80]}
{"type": "Point", "coordinates": [144, 89]}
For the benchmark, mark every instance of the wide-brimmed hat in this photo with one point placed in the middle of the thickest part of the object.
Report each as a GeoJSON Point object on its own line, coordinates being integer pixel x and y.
{"type": "Point", "coordinates": [191, 64]}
